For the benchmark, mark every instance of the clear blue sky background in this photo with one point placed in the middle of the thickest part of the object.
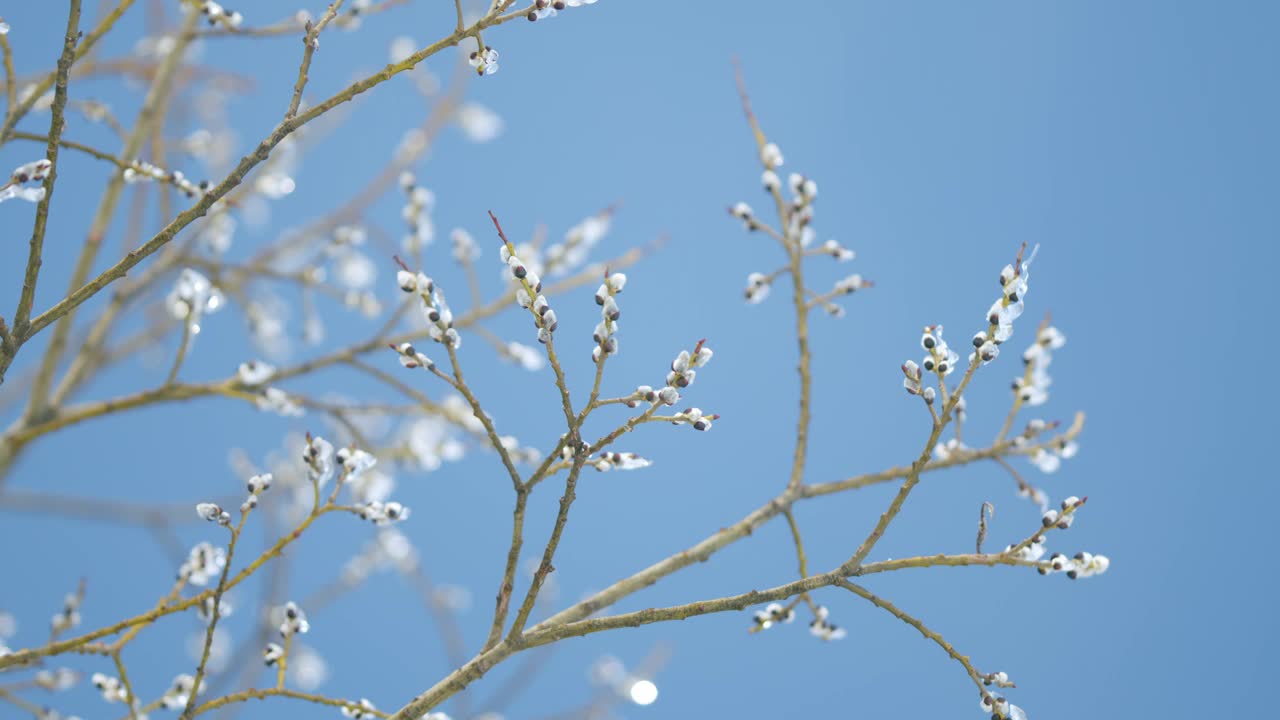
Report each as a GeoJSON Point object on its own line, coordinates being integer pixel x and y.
{"type": "Point", "coordinates": [1136, 142]}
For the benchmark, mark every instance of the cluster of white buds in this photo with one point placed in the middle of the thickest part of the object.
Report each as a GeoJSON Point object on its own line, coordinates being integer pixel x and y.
{"type": "Point", "coordinates": [180, 692]}
{"type": "Point", "coordinates": [604, 335]}
{"type": "Point", "coordinates": [192, 296]}
{"type": "Point", "coordinates": [771, 156]}
{"type": "Point", "coordinates": [434, 308]}
{"type": "Point", "coordinates": [4, 27]}
{"type": "Point", "coordinates": [465, 249]}
{"type": "Point", "coordinates": [478, 123]}
{"type": "Point", "coordinates": [484, 61]}
{"type": "Point", "coordinates": [620, 461]}
{"type": "Point", "coordinates": [208, 608]}
{"type": "Point", "coordinates": [945, 449]}
{"type": "Point", "coordinates": [111, 688]}
{"type": "Point", "coordinates": [743, 212]}
{"type": "Point", "coordinates": [565, 256]}
{"type": "Point", "coordinates": [1034, 390]}
{"type": "Point", "coordinates": [274, 185]}
{"type": "Point", "coordinates": [1035, 495]}
{"type": "Point", "coordinates": [41, 103]}
{"type": "Point", "coordinates": [803, 189]}
{"type": "Point", "coordinates": [430, 440]}
{"type": "Point", "coordinates": [32, 171]}
{"type": "Point", "coordinates": [272, 653]}
{"type": "Point", "coordinates": [1013, 292]}
{"type": "Point", "coordinates": [218, 229]}
{"type": "Point", "coordinates": [345, 237]}
{"type": "Point", "coordinates": [1063, 520]}
{"type": "Point", "coordinates": [369, 484]}
{"type": "Point", "coordinates": [822, 629]}
{"type": "Point", "coordinates": [529, 293]}
{"type": "Point", "coordinates": [837, 251]}
{"type": "Point", "coordinates": [254, 372]}
{"type": "Point", "coordinates": [1081, 565]}
{"type": "Point", "coordinates": [202, 564]}
{"type": "Point", "coordinates": [682, 368]}
{"type": "Point", "coordinates": [526, 357]}
{"type": "Point", "coordinates": [277, 401]}
{"type": "Point", "coordinates": [29, 172]}
{"type": "Point", "coordinates": [548, 8]}
{"type": "Point", "coordinates": [69, 616]}
{"type": "Point", "coordinates": [913, 382]}
{"type": "Point", "coordinates": [1034, 429]}
{"type": "Point", "coordinates": [771, 615]}
{"type": "Point", "coordinates": [545, 9]}
{"type": "Point", "coordinates": [758, 286]}
{"type": "Point", "coordinates": [213, 512]}
{"type": "Point", "coordinates": [694, 417]}
{"type": "Point", "coordinates": [220, 15]}
{"type": "Point", "coordinates": [294, 622]}
{"type": "Point", "coordinates": [941, 359]}
{"type": "Point", "coordinates": [257, 485]}
{"type": "Point", "coordinates": [999, 679]}
{"type": "Point", "coordinates": [769, 180]}
{"type": "Point", "coordinates": [365, 710]}
{"type": "Point", "coordinates": [140, 170]}
{"type": "Point", "coordinates": [1032, 552]}
{"type": "Point", "coordinates": [1000, 708]}
{"type": "Point", "coordinates": [387, 548]}
{"type": "Point", "coordinates": [319, 458]}
{"type": "Point", "coordinates": [352, 16]}
{"type": "Point", "coordinates": [850, 284]}
{"type": "Point", "coordinates": [411, 358]}
{"type": "Point", "coordinates": [800, 222]}
{"type": "Point", "coordinates": [419, 202]}
{"type": "Point", "coordinates": [1047, 459]}
{"type": "Point", "coordinates": [383, 514]}
{"type": "Point", "coordinates": [355, 462]}
{"type": "Point", "coordinates": [667, 396]}
{"type": "Point", "coordinates": [984, 347]}
{"type": "Point", "coordinates": [62, 678]}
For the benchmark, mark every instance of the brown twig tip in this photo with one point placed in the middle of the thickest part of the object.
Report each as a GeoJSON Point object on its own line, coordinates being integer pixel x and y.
{"type": "Point", "coordinates": [401, 263]}
{"type": "Point", "coordinates": [498, 226]}
{"type": "Point", "coordinates": [1017, 262]}
{"type": "Point", "coordinates": [740, 81]}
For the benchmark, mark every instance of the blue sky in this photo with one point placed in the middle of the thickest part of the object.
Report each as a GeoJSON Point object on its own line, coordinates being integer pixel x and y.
{"type": "Point", "coordinates": [1135, 142]}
